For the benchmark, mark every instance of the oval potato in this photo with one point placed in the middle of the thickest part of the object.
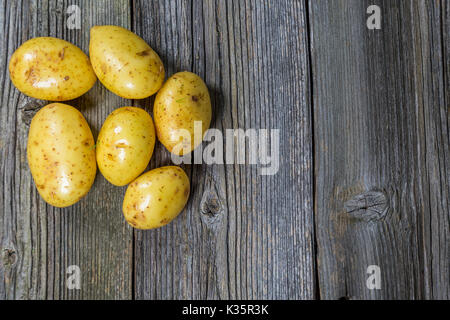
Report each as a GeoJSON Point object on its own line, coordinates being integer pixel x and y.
{"type": "Point", "coordinates": [156, 197]}
{"type": "Point", "coordinates": [182, 100]}
{"type": "Point", "coordinates": [125, 145]}
{"type": "Point", "coordinates": [61, 154]}
{"type": "Point", "coordinates": [125, 63]}
{"type": "Point", "coordinates": [51, 69]}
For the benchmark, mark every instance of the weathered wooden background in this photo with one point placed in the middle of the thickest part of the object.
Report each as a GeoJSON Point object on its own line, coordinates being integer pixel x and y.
{"type": "Point", "coordinates": [364, 156]}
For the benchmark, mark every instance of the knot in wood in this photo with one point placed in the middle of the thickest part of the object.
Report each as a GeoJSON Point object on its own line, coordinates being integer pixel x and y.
{"type": "Point", "coordinates": [210, 205]}
{"type": "Point", "coordinates": [370, 205]}
{"type": "Point", "coordinates": [29, 109]}
{"type": "Point", "coordinates": [8, 257]}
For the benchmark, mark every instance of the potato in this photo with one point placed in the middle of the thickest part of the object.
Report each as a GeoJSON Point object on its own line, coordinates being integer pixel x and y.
{"type": "Point", "coordinates": [125, 63]}
{"type": "Point", "coordinates": [183, 99]}
{"type": "Point", "coordinates": [156, 197]}
{"type": "Point", "coordinates": [51, 69]}
{"type": "Point", "coordinates": [125, 145]}
{"type": "Point", "coordinates": [61, 154]}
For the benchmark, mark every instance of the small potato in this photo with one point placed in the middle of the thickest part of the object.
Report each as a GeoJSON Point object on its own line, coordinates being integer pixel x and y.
{"type": "Point", "coordinates": [51, 69]}
{"type": "Point", "coordinates": [61, 154]}
{"type": "Point", "coordinates": [183, 99]}
{"type": "Point", "coordinates": [156, 197]}
{"type": "Point", "coordinates": [125, 145]}
{"type": "Point", "coordinates": [125, 63]}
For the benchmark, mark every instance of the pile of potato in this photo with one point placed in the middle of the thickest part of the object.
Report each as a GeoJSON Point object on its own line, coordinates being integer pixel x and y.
{"type": "Point", "coordinates": [61, 151]}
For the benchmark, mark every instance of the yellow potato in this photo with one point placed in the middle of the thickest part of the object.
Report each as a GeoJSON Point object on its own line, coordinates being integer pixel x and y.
{"type": "Point", "coordinates": [51, 69]}
{"type": "Point", "coordinates": [125, 145]}
{"type": "Point", "coordinates": [183, 99]}
{"type": "Point", "coordinates": [61, 154]}
{"type": "Point", "coordinates": [125, 63]}
{"type": "Point", "coordinates": [156, 197]}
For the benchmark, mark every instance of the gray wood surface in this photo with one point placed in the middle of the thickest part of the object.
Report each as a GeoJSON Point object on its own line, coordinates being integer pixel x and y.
{"type": "Point", "coordinates": [381, 141]}
{"type": "Point", "coordinates": [37, 241]}
{"type": "Point", "coordinates": [243, 235]}
{"type": "Point", "coordinates": [364, 148]}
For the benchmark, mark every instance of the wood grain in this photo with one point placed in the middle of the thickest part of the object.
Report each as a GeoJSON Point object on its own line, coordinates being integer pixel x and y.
{"type": "Point", "coordinates": [381, 149]}
{"type": "Point", "coordinates": [242, 235]}
{"type": "Point", "coordinates": [364, 143]}
{"type": "Point", "coordinates": [441, 253]}
{"type": "Point", "coordinates": [38, 242]}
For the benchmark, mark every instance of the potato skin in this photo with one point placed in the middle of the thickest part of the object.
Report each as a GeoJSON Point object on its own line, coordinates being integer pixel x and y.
{"type": "Point", "coordinates": [51, 69]}
{"type": "Point", "coordinates": [125, 145]}
{"type": "Point", "coordinates": [125, 63]}
{"type": "Point", "coordinates": [61, 154]}
{"type": "Point", "coordinates": [156, 197]}
{"type": "Point", "coordinates": [183, 99]}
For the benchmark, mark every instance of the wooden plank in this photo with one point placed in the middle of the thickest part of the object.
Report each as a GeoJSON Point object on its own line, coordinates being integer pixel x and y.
{"type": "Point", "coordinates": [38, 242]}
{"type": "Point", "coordinates": [381, 149]}
{"type": "Point", "coordinates": [242, 235]}
{"type": "Point", "coordinates": [441, 229]}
